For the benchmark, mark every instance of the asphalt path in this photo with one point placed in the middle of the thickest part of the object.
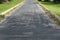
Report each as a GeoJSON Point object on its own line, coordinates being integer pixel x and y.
{"type": "Point", "coordinates": [29, 22]}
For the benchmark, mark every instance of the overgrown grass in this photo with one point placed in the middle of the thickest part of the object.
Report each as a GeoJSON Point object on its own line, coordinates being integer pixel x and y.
{"type": "Point", "coordinates": [6, 6]}
{"type": "Point", "coordinates": [53, 7]}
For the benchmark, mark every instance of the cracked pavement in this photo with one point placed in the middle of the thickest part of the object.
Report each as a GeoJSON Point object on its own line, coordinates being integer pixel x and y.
{"type": "Point", "coordinates": [29, 22]}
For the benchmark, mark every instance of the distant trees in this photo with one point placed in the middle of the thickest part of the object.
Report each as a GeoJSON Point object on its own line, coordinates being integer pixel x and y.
{"type": "Point", "coordinates": [55, 1]}
{"type": "Point", "coordinates": [39, 0]}
{"type": "Point", "coordinates": [5, 0]}
{"type": "Point", "coordinates": [1, 1]}
{"type": "Point", "coordinates": [46, 0]}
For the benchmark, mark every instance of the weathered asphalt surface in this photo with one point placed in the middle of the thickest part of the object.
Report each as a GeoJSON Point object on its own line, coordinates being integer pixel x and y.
{"type": "Point", "coordinates": [29, 23]}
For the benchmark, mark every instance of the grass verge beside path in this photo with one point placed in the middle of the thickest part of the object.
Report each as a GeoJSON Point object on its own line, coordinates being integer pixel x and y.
{"type": "Point", "coordinates": [11, 5]}
{"type": "Point", "coordinates": [52, 6]}
{"type": "Point", "coordinates": [6, 6]}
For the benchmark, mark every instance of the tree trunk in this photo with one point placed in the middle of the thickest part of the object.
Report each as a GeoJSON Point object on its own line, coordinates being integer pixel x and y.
{"type": "Point", "coordinates": [39, 0]}
{"type": "Point", "coordinates": [54, 1]}
{"type": "Point", "coordinates": [6, 1]}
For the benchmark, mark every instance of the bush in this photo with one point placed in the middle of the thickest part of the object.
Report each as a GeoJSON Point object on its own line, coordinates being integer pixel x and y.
{"type": "Point", "coordinates": [9, 0]}
{"type": "Point", "coordinates": [39, 0]}
{"type": "Point", "coordinates": [1, 1]}
{"type": "Point", "coordinates": [46, 0]}
{"type": "Point", "coordinates": [56, 1]}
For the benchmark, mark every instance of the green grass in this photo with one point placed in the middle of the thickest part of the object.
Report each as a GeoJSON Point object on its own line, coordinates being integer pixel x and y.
{"type": "Point", "coordinates": [6, 6]}
{"type": "Point", "coordinates": [53, 7]}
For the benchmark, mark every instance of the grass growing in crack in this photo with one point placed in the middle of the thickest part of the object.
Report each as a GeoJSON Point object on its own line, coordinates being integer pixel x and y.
{"type": "Point", "coordinates": [53, 17]}
{"type": "Point", "coordinates": [2, 17]}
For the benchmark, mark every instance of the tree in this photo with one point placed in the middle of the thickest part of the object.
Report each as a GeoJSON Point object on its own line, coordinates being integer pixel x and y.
{"type": "Point", "coordinates": [56, 1]}
{"type": "Point", "coordinates": [39, 0]}
{"type": "Point", "coordinates": [46, 0]}
{"type": "Point", "coordinates": [1, 1]}
{"type": "Point", "coordinates": [5, 0]}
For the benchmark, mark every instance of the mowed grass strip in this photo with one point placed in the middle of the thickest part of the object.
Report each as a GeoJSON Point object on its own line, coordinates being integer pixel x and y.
{"type": "Point", "coordinates": [6, 6]}
{"type": "Point", "coordinates": [52, 6]}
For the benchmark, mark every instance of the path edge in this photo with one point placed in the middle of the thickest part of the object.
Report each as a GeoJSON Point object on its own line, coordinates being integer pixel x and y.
{"type": "Point", "coordinates": [50, 13]}
{"type": "Point", "coordinates": [10, 11]}
{"type": "Point", "coordinates": [12, 8]}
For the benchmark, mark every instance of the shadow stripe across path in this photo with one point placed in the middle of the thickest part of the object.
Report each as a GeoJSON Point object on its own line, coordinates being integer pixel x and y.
{"type": "Point", "coordinates": [29, 22]}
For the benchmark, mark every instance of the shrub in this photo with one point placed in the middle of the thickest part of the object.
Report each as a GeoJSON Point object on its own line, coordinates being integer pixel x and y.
{"type": "Point", "coordinates": [1, 1]}
{"type": "Point", "coordinates": [9, 0]}
{"type": "Point", "coordinates": [56, 1]}
{"type": "Point", "coordinates": [39, 0]}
